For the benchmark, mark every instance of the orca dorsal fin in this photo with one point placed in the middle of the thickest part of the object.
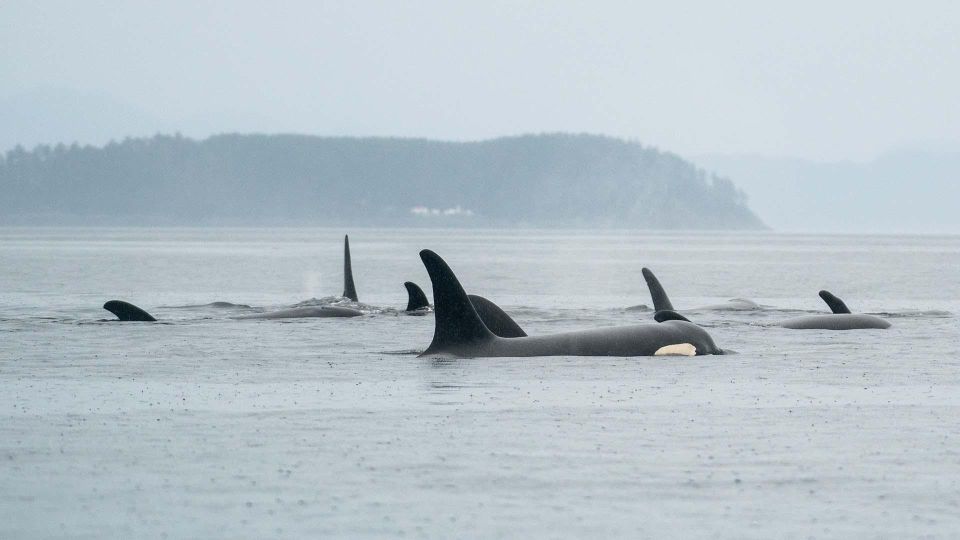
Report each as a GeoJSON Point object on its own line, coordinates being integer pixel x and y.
{"type": "Point", "coordinates": [495, 319]}
{"type": "Point", "coordinates": [836, 304]}
{"type": "Point", "coordinates": [661, 302]}
{"type": "Point", "coordinates": [415, 297]}
{"type": "Point", "coordinates": [669, 315]}
{"type": "Point", "coordinates": [349, 290]}
{"type": "Point", "coordinates": [456, 321]}
{"type": "Point", "coordinates": [126, 311]}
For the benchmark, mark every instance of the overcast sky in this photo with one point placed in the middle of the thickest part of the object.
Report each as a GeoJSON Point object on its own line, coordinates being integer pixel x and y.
{"type": "Point", "coordinates": [831, 80]}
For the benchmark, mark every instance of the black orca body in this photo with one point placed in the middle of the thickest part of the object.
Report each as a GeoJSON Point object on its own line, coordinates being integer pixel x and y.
{"type": "Point", "coordinates": [840, 319]}
{"type": "Point", "coordinates": [494, 318]}
{"type": "Point", "coordinates": [126, 311]}
{"type": "Point", "coordinates": [661, 302]}
{"type": "Point", "coordinates": [460, 331]}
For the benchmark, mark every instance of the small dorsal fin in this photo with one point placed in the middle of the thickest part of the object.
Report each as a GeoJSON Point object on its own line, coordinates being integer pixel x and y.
{"type": "Point", "coordinates": [349, 290]}
{"type": "Point", "coordinates": [415, 297]}
{"type": "Point", "coordinates": [495, 319]}
{"type": "Point", "coordinates": [126, 311]}
{"type": "Point", "coordinates": [456, 321]}
{"type": "Point", "coordinates": [661, 302]}
{"type": "Point", "coordinates": [836, 304]}
{"type": "Point", "coordinates": [669, 315]}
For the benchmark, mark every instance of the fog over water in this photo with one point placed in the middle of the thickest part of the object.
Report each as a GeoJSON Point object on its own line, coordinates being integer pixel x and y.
{"type": "Point", "coordinates": [817, 80]}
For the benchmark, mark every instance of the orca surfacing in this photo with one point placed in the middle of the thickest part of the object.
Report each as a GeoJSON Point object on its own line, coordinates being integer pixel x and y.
{"type": "Point", "coordinates": [129, 312]}
{"type": "Point", "coordinates": [840, 319]}
{"type": "Point", "coordinates": [460, 331]}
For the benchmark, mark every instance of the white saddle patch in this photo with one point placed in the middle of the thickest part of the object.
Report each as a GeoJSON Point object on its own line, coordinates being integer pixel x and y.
{"type": "Point", "coordinates": [680, 349]}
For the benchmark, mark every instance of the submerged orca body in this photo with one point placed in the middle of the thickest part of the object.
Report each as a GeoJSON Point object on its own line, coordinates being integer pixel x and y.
{"type": "Point", "coordinates": [126, 311]}
{"type": "Point", "coordinates": [661, 302]}
{"type": "Point", "coordinates": [306, 312]}
{"type": "Point", "coordinates": [840, 319]}
{"type": "Point", "coordinates": [460, 331]}
{"type": "Point", "coordinates": [494, 318]}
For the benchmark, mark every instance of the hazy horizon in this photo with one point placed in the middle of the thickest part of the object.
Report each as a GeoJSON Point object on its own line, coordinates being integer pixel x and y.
{"type": "Point", "coordinates": [821, 82]}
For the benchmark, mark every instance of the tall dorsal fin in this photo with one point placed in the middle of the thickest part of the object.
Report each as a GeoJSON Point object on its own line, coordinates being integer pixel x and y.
{"type": "Point", "coordinates": [456, 320]}
{"type": "Point", "coordinates": [415, 297]}
{"type": "Point", "coordinates": [669, 315]}
{"type": "Point", "coordinates": [661, 302]}
{"type": "Point", "coordinates": [126, 311]}
{"type": "Point", "coordinates": [349, 290]}
{"type": "Point", "coordinates": [495, 319]}
{"type": "Point", "coordinates": [836, 304]}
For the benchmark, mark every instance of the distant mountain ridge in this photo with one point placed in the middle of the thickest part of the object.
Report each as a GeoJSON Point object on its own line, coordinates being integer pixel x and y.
{"type": "Point", "coordinates": [532, 180]}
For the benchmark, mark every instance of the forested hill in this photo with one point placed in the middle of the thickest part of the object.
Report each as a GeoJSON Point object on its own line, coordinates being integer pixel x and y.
{"type": "Point", "coordinates": [535, 180]}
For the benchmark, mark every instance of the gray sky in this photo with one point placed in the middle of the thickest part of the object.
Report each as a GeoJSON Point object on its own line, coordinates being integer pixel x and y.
{"type": "Point", "coordinates": [830, 80]}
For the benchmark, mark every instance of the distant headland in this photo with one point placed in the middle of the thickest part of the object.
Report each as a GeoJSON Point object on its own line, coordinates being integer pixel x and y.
{"type": "Point", "coordinates": [551, 180]}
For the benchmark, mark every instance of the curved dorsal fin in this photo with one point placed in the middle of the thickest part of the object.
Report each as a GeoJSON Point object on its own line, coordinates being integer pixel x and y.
{"type": "Point", "coordinates": [495, 319]}
{"type": "Point", "coordinates": [456, 320]}
{"type": "Point", "coordinates": [836, 304]}
{"type": "Point", "coordinates": [661, 302]}
{"type": "Point", "coordinates": [669, 315]}
{"type": "Point", "coordinates": [415, 297]}
{"type": "Point", "coordinates": [126, 311]}
{"type": "Point", "coordinates": [349, 291]}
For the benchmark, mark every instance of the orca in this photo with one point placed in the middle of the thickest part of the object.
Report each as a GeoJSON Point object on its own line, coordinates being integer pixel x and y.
{"type": "Point", "coordinates": [129, 312]}
{"type": "Point", "coordinates": [459, 331]}
{"type": "Point", "coordinates": [301, 312]}
{"type": "Point", "coordinates": [495, 319]}
{"type": "Point", "coordinates": [416, 299]}
{"type": "Point", "coordinates": [126, 311]}
{"type": "Point", "coordinates": [840, 319]}
{"type": "Point", "coordinates": [661, 302]}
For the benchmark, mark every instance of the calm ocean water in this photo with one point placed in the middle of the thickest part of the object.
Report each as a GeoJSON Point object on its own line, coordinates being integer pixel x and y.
{"type": "Point", "coordinates": [205, 426]}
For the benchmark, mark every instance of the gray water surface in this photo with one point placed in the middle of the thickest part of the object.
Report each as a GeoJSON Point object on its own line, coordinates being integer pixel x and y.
{"type": "Point", "coordinates": [203, 426]}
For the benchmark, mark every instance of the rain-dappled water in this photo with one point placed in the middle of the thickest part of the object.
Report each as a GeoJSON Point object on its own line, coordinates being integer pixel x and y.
{"type": "Point", "coordinates": [202, 425]}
